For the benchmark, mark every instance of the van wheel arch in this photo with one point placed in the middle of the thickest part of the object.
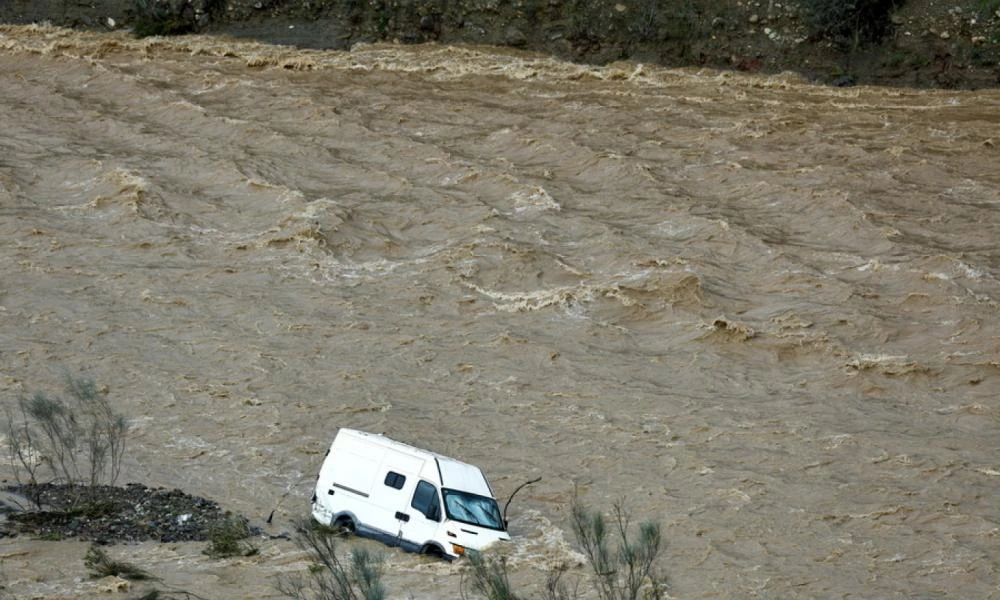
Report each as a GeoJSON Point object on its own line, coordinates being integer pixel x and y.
{"type": "Point", "coordinates": [346, 523]}
{"type": "Point", "coordinates": [433, 550]}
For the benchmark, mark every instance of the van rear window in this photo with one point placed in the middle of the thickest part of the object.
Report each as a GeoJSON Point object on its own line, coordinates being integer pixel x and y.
{"type": "Point", "coordinates": [395, 480]}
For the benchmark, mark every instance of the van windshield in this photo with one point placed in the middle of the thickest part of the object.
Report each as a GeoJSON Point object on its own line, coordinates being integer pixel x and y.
{"type": "Point", "coordinates": [472, 509]}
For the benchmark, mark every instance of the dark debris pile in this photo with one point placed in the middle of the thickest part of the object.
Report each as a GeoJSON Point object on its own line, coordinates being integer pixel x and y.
{"type": "Point", "coordinates": [109, 514]}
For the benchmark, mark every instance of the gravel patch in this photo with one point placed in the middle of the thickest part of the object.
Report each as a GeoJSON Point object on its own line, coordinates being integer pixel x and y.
{"type": "Point", "coordinates": [110, 514]}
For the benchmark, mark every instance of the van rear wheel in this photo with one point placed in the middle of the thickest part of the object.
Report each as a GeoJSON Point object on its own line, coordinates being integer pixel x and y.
{"type": "Point", "coordinates": [345, 524]}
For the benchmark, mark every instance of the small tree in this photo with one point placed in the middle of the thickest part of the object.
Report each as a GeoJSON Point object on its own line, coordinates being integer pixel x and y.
{"type": "Point", "coordinates": [331, 577]}
{"type": "Point", "coordinates": [104, 431]}
{"type": "Point", "coordinates": [621, 569]}
{"type": "Point", "coordinates": [80, 441]}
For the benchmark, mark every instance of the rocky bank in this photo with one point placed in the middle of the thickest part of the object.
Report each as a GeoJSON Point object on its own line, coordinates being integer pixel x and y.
{"type": "Point", "coordinates": [107, 514]}
{"type": "Point", "coordinates": [928, 43]}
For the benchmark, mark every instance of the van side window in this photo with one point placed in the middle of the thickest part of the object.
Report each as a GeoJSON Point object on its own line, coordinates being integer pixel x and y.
{"type": "Point", "coordinates": [425, 499]}
{"type": "Point", "coordinates": [395, 480]}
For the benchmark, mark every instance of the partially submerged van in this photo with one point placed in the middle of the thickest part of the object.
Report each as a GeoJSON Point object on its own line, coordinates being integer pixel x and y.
{"type": "Point", "coordinates": [405, 496]}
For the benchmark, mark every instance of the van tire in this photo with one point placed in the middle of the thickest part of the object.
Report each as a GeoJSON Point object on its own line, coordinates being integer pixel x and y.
{"type": "Point", "coordinates": [346, 524]}
{"type": "Point", "coordinates": [433, 550]}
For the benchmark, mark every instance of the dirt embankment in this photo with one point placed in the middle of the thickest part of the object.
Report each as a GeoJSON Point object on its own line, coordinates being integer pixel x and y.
{"type": "Point", "coordinates": [929, 43]}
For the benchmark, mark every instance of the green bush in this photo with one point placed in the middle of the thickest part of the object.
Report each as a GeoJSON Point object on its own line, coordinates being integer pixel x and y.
{"type": "Point", "coordinates": [228, 537]}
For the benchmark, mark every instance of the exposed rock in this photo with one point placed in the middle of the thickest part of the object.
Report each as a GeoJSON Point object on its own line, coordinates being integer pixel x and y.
{"type": "Point", "coordinates": [515, 37]}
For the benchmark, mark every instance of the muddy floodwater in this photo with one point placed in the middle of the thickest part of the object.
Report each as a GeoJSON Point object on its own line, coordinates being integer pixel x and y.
{"type": "Point", "coordinates": [761, 312]}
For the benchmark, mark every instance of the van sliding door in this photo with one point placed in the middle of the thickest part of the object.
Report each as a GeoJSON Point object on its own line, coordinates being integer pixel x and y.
{"type": "Point", "coordinates": [397, 478]}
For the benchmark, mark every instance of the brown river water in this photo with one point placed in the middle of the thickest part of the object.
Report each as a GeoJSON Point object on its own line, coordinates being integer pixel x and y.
{"type": "Point", "coordinates": [761, 312]}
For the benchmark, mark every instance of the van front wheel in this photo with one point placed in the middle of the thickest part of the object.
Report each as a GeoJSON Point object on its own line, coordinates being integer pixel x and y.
{"type": "Point", "coordinates": [433, 550]}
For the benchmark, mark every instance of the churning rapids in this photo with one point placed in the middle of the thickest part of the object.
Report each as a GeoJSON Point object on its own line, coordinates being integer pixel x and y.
{"type": "Point", "coordinates": [762, 312]}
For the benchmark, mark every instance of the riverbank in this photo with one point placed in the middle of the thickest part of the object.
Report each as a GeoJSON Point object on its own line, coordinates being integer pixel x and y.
{"type": "Point", "coordinates": [928, 43]}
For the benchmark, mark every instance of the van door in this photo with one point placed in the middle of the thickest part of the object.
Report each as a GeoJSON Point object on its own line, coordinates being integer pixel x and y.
{"type": "Point", "coordinates": [397, 478]}
{"type": "Point", "coordinates": [422, 518]}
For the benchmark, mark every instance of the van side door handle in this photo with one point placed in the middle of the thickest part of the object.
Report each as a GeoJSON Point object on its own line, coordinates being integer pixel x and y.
{"type": "Point", "coordinates": [402, 516]}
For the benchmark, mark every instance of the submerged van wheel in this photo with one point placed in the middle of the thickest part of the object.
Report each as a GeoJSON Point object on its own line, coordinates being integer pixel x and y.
{"type": "Point", "coordinates": [346, 524]}
{"type": "Point", "coordinates": [433, 550]}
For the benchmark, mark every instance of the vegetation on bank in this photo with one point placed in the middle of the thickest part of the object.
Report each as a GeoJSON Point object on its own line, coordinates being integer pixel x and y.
{"type": "Point", "coordinates": [632, 22]}
{"type": "Point", "coordinates": [911, 42]}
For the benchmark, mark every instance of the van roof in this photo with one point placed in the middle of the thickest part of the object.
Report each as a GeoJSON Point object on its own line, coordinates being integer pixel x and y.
{"type": "Point", "coordinates": [461, 476]}
{"type": "Point", "coordinates": [455, 474]}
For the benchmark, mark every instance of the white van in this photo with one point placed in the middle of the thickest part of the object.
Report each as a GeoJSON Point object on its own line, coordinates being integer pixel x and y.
{"type": "Point", "coordinates": [405, 496]}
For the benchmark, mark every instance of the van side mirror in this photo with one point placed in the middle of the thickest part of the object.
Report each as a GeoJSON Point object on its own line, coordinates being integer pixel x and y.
{"type": "Point", "coordinates": [516, 490]}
